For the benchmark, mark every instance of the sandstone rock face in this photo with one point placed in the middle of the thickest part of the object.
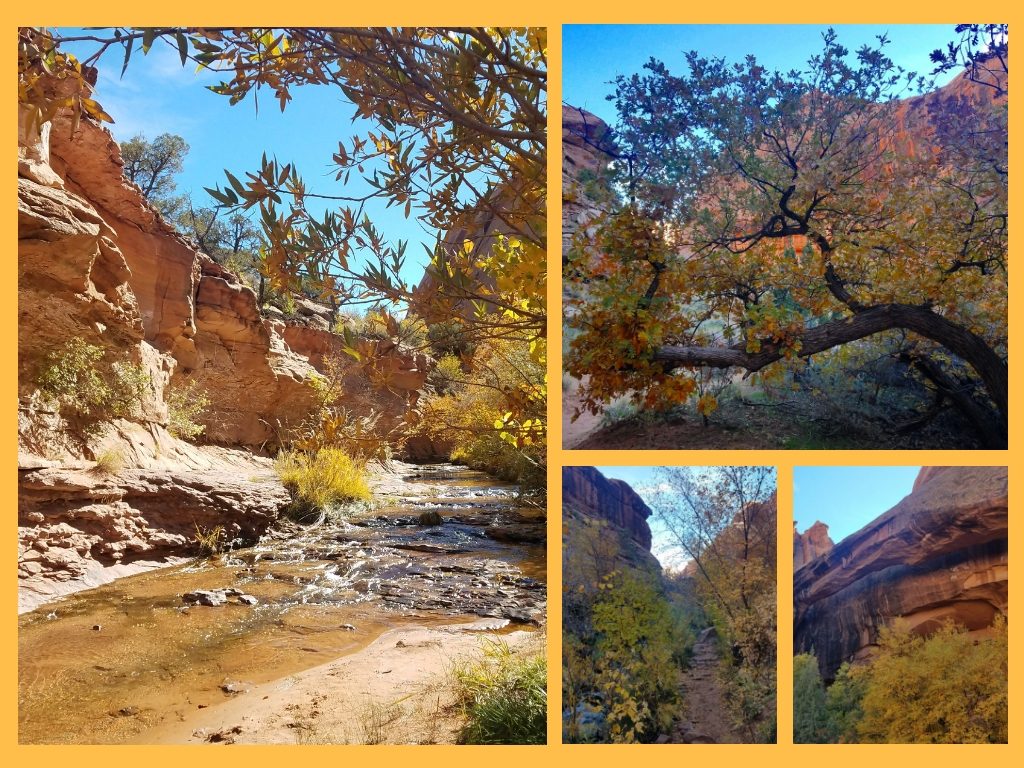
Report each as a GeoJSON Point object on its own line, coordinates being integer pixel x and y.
{"type": "Point", "coordinates": [939, 554]}
{"type": "Point", "coordinates": [79, 528]}
{"type": "Point", "coordinates": [97, 262]}
{"type": "Point", "coordinates": [586, 144]}
{"type": "Point", "coordinates": [587, 491]}
{"type": "Point", "coordinates": [810, 544]}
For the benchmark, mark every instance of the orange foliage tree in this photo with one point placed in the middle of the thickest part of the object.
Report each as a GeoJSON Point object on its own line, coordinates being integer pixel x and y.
{"type": "Point", "coordinates": [457, 140]}
{"type": "Point", "coordinates": [766, 217]}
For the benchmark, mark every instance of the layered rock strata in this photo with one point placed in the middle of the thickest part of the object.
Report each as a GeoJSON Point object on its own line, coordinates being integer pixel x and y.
{"type": "Point", "coordinates": [938, 555]}
{"type": "Point", "coordinates": [97, 263]}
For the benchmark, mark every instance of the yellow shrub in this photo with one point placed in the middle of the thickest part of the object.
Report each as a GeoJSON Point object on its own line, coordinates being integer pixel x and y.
{"type": "Point", "coordinates": [321, 479]}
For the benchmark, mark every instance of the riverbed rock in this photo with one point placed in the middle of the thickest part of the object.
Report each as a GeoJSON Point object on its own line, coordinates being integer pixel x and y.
{"type": "Point", "coordinates": [940, 554]}
{"type": "Point", "coordinates": [79, 529]}
{"type": "Point", "coordinates": [211, 598]}
{"type": "Point", "coordinates": [430, 518]}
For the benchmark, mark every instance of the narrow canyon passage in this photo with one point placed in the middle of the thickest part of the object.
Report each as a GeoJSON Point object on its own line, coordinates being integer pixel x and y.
{"type": "Point", "coordinates": [705, 718]}
{"type": "Point", "coordinates": [127, 661]}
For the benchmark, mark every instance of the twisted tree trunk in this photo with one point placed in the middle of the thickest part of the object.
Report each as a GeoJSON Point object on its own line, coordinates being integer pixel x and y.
{"type": "Point", "coordinates": [866, 321]}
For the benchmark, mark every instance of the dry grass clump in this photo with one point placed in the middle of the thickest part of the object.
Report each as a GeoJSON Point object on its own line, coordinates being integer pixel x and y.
{"type": "Point", "coordinates": [323, 478]}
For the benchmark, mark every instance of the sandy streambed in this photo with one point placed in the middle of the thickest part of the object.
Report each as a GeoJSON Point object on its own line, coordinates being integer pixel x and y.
{"type": "Point", "coordinates": [132, 662]}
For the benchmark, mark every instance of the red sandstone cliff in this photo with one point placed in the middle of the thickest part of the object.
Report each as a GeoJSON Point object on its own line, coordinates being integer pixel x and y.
{"type": "Point", "coordinates": [586, 148]}
{"type": "Point", "coordinates": [587, 491]}
{"type": "Point", "coordinates": [940, 554]}
{"type": "Point", "coordinates": [96, 262]}
{"type": "Point", "coordinates": [810, 544]}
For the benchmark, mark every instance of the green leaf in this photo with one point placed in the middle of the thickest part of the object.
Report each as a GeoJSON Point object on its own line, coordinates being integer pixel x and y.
{"type": "Point", "coordinates": [239, 188]}
{"type": "Point", "coordinates": [128, 45]}
{"type": "Point", "coordinates": [182, 42]}
{"type": "Point", "coordinates": [148, 36]}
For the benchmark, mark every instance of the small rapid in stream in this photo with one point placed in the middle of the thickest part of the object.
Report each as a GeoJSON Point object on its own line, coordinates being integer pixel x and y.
{"type": "Point", "coordinates": [108, 664]}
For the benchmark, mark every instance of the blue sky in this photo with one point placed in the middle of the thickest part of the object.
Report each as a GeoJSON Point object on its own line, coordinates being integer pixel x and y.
{"type": "Point", "coordinates": [157, 95]}
{"type": "Point", "coordinates": [594, 54]}
{"type": "Point", "coordinates": [847, 498]}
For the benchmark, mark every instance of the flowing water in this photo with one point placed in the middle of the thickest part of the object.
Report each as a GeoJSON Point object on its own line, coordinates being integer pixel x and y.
{"type": "Point", "coordinates": [107, 664]}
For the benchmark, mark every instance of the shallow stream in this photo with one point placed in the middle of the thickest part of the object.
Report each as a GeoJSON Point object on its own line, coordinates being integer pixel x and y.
{"type": "Point", "coordinates": [108, 664]}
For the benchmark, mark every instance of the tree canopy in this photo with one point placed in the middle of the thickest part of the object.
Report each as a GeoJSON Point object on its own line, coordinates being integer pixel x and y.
{"type": "Point", "coordinates": [835, 210]}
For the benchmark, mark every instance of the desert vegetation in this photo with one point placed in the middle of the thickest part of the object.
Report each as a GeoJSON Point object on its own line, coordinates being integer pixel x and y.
{"type": "Point", "coordinates": [811, 258]}
{"type": "Point", "coordinates": [943, 688]}
{"type": "Point", "coordinates": [683, 655]}
{"type": "Point", "coordinates": [503, 695]}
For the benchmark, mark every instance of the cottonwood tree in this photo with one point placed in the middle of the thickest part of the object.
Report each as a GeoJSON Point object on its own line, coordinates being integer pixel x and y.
{"type": "Point", "coordinates": [458, 141]}
{"type": "Point", "coordinates": [767, 217]}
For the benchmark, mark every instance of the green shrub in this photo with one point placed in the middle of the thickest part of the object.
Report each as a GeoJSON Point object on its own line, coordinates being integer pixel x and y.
{"type": "Point", "coordinates": [185, 404]}
{"type": "Point", "coordinates": [128, 383]}
{"type": "Point", "coordinates": [322, 479]}
{"type": "Point", "coordinates": [619, 410]}
{"type": "Point", "coordinates": [489, 453]}
{"type": "Point", "coordinates": [504, 696]}
{"type": "Point", "coordinates": [77, 378]}
{"type": "Point", "coordinates": [446, 374]}
{"type": "Point", "coordinates": [810, 715]}
{"type": "Point", "coordinates": [450, 338]}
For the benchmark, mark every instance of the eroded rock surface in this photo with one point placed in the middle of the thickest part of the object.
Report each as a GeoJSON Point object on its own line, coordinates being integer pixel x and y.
{"type": "Point", "coordinates": [586, 148]}
{"type": "Point", "coordinates": [78, 528]}
{"type": "Point", "coordinates": [587, 491]}
{"type": "Point", "coordinates": [810, 544]}
{"type": "Point", "coordinates": [940, 554]}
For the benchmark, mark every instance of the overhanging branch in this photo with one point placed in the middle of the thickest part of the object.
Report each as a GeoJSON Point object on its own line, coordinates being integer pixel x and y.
{"type": "Point", "coordinates": [867, 322]}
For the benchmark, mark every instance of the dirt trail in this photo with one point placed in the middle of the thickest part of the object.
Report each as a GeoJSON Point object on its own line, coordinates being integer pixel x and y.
{"type": "Point", "coordinates": [705, 718]}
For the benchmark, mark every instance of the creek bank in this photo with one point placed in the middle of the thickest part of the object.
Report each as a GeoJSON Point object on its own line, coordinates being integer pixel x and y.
{"type": "Point", "coordinates": [322, 593]}
{"type": "Point", "coordinates": [392, 691]}
{"type": "Point", "coordinates": [80, 528]}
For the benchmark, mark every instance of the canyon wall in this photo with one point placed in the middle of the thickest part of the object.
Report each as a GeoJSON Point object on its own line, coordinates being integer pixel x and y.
{"type": "Point", "coordinates": [586, 152]}
{"type": "Point", "coordinates": [940, 554]}
{"type": "Point", "coordinates": [812, 543]}
{"type": "Point", "coordinates": [95, 254]}
{"type": "Point", "coordinates": [97, 263]}
{"type": "Point", "coordinates": [590, 498]}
